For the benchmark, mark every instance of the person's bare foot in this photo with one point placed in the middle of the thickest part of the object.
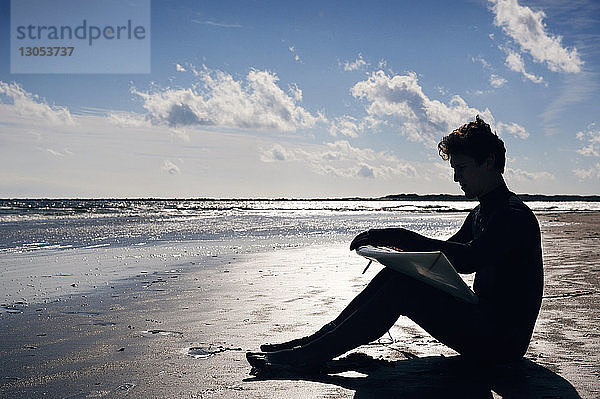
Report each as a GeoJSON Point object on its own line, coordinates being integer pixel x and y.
{"type": "Point", "coordinates": [298, 341]}
{"type": "Point", "coordinates": [262, 364]}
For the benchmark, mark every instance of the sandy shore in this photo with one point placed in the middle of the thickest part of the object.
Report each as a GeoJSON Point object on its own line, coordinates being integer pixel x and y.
{"type": "Point", "coordinates": [184, 335]}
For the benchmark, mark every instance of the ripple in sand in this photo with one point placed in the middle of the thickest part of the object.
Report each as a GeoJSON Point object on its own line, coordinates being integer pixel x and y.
{"type": "Point", "coordinates": [203, 352]}
{"type": "Point", "coordinates": [104, 323]}
{"type": "Point", "coordinates": [125, 387]}
{"type": "Point", "coordinates": [17, 307]}
{"type": "Point", "coordinates": [163, 332]}
{"type": "Point", "coordinates": [82, 312]}
{"type": "Point", "coordinates": [120, 390]}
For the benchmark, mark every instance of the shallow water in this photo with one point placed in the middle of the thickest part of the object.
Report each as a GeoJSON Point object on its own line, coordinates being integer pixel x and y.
{"type": "Point", "coordinates": [53, 248]}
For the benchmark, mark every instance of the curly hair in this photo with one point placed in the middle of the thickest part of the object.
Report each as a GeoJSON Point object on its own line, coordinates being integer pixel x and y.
{"type": "Point", "coordinates": [476, 140]}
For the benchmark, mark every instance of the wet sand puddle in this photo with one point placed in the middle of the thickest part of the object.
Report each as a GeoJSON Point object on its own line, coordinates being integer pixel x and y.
{"type": "Point", "coordinates": [162, 332]}
{"type": "Point", "coordinates": [119, 391]}
{"type": "Point", "coordinates": [204, 352]}
{"type": "Point", "coordinates": [11, 308]}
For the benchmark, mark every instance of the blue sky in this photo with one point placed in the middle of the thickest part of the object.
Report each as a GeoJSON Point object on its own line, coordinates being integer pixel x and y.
{"type": "Point", "coordinates": [313, 99]}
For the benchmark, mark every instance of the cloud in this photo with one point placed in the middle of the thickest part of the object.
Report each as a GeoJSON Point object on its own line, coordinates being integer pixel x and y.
{"type": "Point", "coordinates": [217, 99]}
{"type": "Point", "coordinates": [131, 119]}
{"type": "Point", "coordinates": [482, 61]}
{"type": "Point", "coordinates": [31, 106]}
{"type": "Point", "coordinates": [350, 126]}
{"type": "Point", "coordinates": [512, 128]}
{"type": "Point", "coordinates": [217, 24]}
{"type": "Point", "coordinates": [277, 153]}
{"type": "Point", "coordinates": [341, 159]}
{"type": "Point", "coordinates": [521, 175]}
{"type": "Point", "coordinates": [497, 81]}
{"type": "Point", "coordinates": [65, 152]}
{"type": "Point", "coordinates": [526, 27]}
{"type": "Point", "coordinates": [366, 172]}
{"type": "Point", "coordinates": [293, 51]}
{"type": "Point", "coordinates": [170, 168]}
{"type": "Point", "coordinates": [356, 64]}
{"type": "Point", "coordinates": [592, 138]}
{"type": "Point", "coordinates": [179, 68]}
{"type": "Point", "coordinates": [591, 173]}
{"type": "Point", "coordinates": [420, 118]}
{"type": "Point", "coordinates": [295, 92]}
{"type": "Point", "coordinates": [576, 89]}
{"type": "Point", "coordinates": [515, 62]}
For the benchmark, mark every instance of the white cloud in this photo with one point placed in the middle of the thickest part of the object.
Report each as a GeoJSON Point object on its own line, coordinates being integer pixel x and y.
{"type": "Point", "coordinates": [65, 152]}
{"type": "Point", "coordinates": [512, 128]}
{"type": "Point", "coordinates": [295, 92]}
{"type": "Point", "coordinates": [217, 24]}
{"type": "Point", "coordinates": [170, 168]}
{"type": "Point", "coordinates": [515, 62]}
{"type": "Point", "coordinates": [293, 51]}
{"type": "Point", "coordinates": [122, 119]}
{"type": "Point", "coordinates": [526, 27]}
{"type": "Point", "coordinates": [482, 61]}
{"type": "Point", "coordinates": [179, 68]}
{"type": "Point", "coordinates": [419, 117]}
{"type": "Point", "coordinates": [366, 171]}
{"type": "Point", "coordinates": [497, 81]}
{"type": "Point", "coordinates": [219, 100]}
{"type": "Point", "coordinates": [277, 153]}
{"type": "Point", "coordinates": [32, 107]}
{"type": "Point", "coordinates": [350, 126]}
{"type": "Point", "coordinates": [592, 172]}
{"type": "Point", "coordinates": [592, 138]}
{"type": "Point", "coordinates": [521, 175]}
{"type": "Point", "coordinates": [576, 89]}
{"type": "Point", "coordinates": [356, 64]}
{"type": "Point", "coordinates": [341, 159]}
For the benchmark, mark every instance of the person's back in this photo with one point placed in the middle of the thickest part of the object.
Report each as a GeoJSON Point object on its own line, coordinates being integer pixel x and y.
{"type": "Point", "coordinates": [509, 273]}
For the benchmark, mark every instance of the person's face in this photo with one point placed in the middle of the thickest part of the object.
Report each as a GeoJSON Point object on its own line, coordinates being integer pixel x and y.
{"type": "Point", "coordinates": [473, 178]}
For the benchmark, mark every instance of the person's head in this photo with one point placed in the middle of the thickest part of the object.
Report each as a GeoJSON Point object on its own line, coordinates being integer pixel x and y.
{"type": "Point", "coordinates": [477, 156]}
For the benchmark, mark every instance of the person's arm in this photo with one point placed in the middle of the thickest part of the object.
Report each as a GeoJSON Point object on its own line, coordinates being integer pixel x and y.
{"type": "Point", "coordinates": [408, 240]}
{"type": "Point", "coordinates": [509, 230]}
{"type": "Point", "coordinates": [504, 232]}
{"type": "Point", "coordinates": [465, 234]}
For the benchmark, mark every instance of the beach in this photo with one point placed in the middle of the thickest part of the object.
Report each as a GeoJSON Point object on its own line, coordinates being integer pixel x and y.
{"type": "Point", "coordinates": [181, 328]}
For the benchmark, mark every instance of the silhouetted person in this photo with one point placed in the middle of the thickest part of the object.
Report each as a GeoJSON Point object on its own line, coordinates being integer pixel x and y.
{"type": "Point", "coordinates": [499, 241]}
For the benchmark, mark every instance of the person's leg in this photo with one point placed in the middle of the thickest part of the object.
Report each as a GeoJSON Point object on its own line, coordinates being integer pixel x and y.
{"type": "Point", "coordinates": [363, 297]}
{"type": "Point", "coordinates": [470, 329]}
{"type": "Point", "coordinates": [465, 327]}
{"type": "Point", "coordinates": [367, 318]}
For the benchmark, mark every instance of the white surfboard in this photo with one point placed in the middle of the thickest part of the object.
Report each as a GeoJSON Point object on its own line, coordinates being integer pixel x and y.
{"type": "Point", "coordinates": [432, 268]}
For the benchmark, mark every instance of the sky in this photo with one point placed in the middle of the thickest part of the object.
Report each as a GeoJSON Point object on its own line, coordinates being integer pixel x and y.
{"type": "Point", "coordinates": [313, 99]}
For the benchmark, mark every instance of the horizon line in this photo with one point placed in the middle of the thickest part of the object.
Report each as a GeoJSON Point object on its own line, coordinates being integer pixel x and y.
{"type": "Point", "coordinates": [388, 197]}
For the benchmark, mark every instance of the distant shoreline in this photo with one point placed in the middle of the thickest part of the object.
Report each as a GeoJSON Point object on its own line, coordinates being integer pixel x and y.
{"type": "Point", "coordinates": [391, 197]}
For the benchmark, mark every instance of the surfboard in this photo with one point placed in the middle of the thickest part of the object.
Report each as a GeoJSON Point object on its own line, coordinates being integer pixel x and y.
{"type": "Point", "coordinates": [432, 268]}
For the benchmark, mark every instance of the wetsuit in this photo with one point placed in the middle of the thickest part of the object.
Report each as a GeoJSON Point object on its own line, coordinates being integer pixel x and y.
{"type": "Point", "coordinates": [499, 241]}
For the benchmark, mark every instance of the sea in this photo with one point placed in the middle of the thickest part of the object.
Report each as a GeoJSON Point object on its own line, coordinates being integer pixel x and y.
{"type": "Point", "coordinates": [50, 248]}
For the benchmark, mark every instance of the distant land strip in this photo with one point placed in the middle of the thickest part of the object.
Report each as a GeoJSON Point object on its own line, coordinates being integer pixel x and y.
{"type": "Point", "coordinates": [391, 197]}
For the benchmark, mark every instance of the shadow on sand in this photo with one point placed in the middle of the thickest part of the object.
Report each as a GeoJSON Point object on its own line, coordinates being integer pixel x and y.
{"type": "Point", "coordinates": [436, 377]}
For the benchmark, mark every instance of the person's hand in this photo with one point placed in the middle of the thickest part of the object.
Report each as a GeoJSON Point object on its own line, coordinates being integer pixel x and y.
{"type": "Point", "coordinates": [370, 237]}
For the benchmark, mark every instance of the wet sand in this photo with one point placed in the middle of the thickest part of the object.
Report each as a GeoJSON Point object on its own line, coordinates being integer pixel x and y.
{"type": "Point", "coordinates": [184, 335]}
